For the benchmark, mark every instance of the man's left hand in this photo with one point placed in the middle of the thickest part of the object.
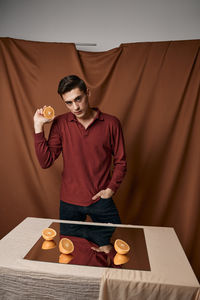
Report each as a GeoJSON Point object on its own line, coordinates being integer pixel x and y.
{"type": "Point", "coordinates": [107, 193]}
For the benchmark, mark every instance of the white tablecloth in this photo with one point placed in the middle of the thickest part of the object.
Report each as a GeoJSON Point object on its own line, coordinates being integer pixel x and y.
{"type": "Point", "coordinates": [171, 276]}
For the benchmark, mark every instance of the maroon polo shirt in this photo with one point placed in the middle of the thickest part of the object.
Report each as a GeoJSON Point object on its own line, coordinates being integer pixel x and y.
{"type": "Point", "coordinates": [87, 155]}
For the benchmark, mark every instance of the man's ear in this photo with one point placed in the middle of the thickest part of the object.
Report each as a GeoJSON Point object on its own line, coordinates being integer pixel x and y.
{"type": "Point", "coordinates": [88, 92]}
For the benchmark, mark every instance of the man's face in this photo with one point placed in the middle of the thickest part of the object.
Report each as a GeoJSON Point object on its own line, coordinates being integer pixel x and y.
{"type": "Point", "coordinates": [77, 102]}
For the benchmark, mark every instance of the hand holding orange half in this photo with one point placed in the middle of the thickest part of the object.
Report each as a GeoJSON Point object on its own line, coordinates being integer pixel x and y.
{"type": "Point", "coordinates": [48, 112]}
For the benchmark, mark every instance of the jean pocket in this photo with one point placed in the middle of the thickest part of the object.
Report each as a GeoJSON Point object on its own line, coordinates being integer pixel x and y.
{"type": "Point", "coordinates": [110, 198]}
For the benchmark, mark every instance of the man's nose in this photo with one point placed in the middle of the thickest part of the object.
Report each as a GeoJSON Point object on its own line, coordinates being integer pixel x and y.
{"type": "Point", "coordinates": [75, 106]}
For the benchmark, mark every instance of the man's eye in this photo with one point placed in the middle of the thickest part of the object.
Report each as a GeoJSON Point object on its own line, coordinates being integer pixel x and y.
{"type": "Point", "coordinates": [78, 99]}
{"type": "Point", "coordinates": [68, 102]}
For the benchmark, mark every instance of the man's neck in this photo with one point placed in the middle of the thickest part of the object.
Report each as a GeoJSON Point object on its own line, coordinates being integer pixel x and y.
{"type": "Point", "coordinates": [88, 118]}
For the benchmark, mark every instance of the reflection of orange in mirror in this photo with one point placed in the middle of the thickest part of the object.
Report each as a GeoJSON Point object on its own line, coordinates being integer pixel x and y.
{"type": "Point", "coordinates": [48, 234]}
{"type": "Point", "coordinates": [66, 246]}
{"type": "Point", "coordinates": [120, 259]}
{"type": "Point", "coordinates": [48, 112]}
{"type": "Point", "coordinates": [65, 258]}
{"type": "Point", "coordinates": [121, 247]}
{"type": "Point", "coordinates": [46, 245]}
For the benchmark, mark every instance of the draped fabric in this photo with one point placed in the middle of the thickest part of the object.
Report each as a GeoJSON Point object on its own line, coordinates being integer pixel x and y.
{"type": "Point", "coordinates": [152, 87]}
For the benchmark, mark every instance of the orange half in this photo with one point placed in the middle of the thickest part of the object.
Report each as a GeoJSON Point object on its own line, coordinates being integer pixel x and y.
{"type": "Point", "coordinates": [48, 112]}
{"type": "Point", "coordinates": [66, 246]}
{"type": "Point", "coordinates": [120, 259]}
{"type": "Point", "coordinates": [47, 245]}
{"type": "Point", "coordinates": [48, 234]}
{"type": "Point", "coordinates": [65, 258]}
{"type": "Point", "coordinates": [121, 246]}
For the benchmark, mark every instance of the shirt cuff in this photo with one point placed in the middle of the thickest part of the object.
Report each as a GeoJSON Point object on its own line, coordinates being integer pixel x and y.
{"type": "Point", "coordinates": [113, 187]}
{"type": "Point", "coordinates": [39, 137]}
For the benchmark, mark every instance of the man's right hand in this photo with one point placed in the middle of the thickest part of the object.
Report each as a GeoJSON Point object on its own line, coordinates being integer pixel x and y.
{"type": "Point", "coordinates": [40, 120]}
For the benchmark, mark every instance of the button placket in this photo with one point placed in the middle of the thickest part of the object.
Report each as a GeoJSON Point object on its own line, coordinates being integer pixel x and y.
{"type": "Point", "coordinates": [82, 129]}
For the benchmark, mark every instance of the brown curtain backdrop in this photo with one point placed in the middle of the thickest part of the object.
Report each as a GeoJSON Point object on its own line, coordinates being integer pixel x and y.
{"type": "Point", "coordinates": [152, 87]}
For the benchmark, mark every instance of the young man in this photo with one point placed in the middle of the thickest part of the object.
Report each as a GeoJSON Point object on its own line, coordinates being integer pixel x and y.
{"type": "Point", "coordinates": [88, 140]}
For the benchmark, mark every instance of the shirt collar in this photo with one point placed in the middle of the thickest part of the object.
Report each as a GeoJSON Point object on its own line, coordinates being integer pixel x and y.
{"type": "Point", "coordinates": [71, 117]}
{"type": "Point", "coordinates": [99, 115]}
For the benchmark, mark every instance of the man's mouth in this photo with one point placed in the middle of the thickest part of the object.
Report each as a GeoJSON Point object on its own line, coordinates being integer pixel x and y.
{"type": "Point", "coordinates": [78, 112]}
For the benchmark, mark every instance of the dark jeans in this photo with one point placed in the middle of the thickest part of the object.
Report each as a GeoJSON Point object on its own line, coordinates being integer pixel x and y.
{"type": "Point", "coordinates": [102, 211]}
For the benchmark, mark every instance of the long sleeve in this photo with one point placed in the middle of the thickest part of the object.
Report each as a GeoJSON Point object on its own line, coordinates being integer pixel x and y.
{"type": "Point", "coordinates": [119, 157]}
{"type": "Point", "coordinates": [48, 151]}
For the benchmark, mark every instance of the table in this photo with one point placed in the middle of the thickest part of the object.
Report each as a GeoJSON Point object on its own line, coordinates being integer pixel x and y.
{"type": "Point", "coordinates": [171, 276]}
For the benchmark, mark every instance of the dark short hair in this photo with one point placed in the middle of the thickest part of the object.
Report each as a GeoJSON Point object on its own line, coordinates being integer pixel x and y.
{"type": "Point", "coordinates": [69, 83]}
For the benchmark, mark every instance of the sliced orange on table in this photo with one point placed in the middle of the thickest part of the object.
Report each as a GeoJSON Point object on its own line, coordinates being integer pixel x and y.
{"type": "Point", "coordinates": [48, 112]}
{"type": "Point", "coordinates": [121, 246]}
{"type": "Point", "coordinates": [66, 246]}
{"type": "Point", "coordinates": [48, 234]}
